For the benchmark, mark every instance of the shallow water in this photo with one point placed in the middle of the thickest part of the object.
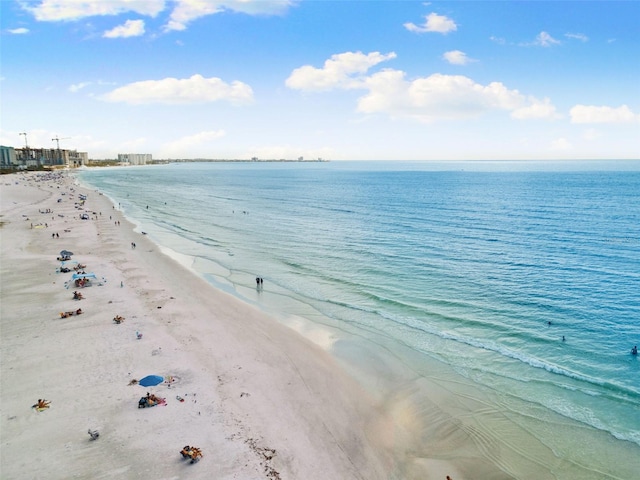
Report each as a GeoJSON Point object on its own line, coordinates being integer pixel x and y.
{"type": "Point", "coordinates": [432, 277]}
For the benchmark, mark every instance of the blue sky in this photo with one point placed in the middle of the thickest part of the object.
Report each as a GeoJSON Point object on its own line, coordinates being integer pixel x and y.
{"type": "Point", "coordinates": [341, 80]}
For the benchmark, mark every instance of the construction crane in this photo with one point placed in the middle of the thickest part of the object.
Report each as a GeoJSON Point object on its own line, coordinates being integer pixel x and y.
{"type": "Point", "coordinates": [57, 140]}
{"type": "Point", "coordinates": [26, 156]}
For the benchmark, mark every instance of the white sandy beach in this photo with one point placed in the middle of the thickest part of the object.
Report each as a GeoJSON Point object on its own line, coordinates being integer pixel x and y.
{"type": "Point", "coordinates": [259, 400]}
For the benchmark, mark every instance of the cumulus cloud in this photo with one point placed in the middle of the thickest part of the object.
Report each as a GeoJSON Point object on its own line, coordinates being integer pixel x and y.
{"type": "Point", "coordinates": [429, 98]}
{"type": "Point", "coordinates": [340, 71]}
{"type": "Point", "coordinates": [433, 23]}
{"type": "Point", "coordinates": [435, 97]}
{"type": "Point", "coordinates": [66, 10]}
{"type": "Point", "coordinates": [174, 91]}
{"type": "Point", "coordinates": [602, 114]}
{"type": "Point", "coordinates": [131, 28]}
{"type": "Point", "coordinates": [456, 57]}
{"type": "Point", "coordinates": [188, 10]}
{"type": "Point", "coordinates": [18, 31]}
{"type": "Point", "coordinates": [577, 36]}
{"type": "Point", "coordinates": [536, 109]}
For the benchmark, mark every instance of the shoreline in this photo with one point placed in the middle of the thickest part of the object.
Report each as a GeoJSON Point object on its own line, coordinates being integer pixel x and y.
{"type": "Point", "coordinates": [260, 400]}
{"type": "Point", "coordinates": [352, 410]}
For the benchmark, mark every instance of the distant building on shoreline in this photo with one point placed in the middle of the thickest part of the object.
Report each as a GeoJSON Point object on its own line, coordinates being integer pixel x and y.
{"type": "Point", "coordinates": [135, 158]}
{"type": "Point", "coordinates": [27, 157]}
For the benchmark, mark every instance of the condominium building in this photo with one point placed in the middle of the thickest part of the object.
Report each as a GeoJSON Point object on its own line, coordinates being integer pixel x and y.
{"type": "Point", "coordinates": [135, 158]}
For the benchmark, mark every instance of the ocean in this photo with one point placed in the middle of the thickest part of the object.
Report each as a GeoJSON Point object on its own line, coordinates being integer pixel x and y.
{"type": "Point", "coordinates": [512, 287]}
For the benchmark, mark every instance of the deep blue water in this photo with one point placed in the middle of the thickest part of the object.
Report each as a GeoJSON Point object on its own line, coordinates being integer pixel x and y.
{"type": "Point", "coordinates": [465, 267]}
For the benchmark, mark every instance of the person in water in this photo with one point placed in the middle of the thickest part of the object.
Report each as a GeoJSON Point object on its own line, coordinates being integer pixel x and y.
{"type": "Point", "coordinates": [634, 350]}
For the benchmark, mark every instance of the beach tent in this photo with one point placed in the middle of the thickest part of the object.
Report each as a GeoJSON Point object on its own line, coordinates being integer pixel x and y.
{"type": "Point", "coordinates": [151, 380]}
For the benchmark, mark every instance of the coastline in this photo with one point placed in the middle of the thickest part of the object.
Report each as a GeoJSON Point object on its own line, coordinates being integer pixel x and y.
{"type": "Point", "coordinates": [268, 383]}
{"type": "Point", "coordinates": [260, 400]}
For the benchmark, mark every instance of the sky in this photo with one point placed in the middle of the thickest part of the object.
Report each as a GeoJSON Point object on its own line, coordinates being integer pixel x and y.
{"type": "Point", "coordinates": [338, 80]}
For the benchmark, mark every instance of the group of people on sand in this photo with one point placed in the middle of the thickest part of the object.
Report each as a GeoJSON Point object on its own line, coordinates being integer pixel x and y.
{"type": "Point", "coordinates": [194, 453]}
{"type": "Point", "coordinates": [78, 269]}
{"type": "Point", "coordinates": [71, 313]}
{"type": "Point", "coordinates": [150, 401]}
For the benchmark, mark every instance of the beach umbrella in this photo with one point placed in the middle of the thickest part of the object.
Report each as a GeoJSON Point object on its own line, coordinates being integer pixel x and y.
{"type": "Point", "coordinates": [151, 380]}
{"type": "Point", "coordinates": [66, 253]}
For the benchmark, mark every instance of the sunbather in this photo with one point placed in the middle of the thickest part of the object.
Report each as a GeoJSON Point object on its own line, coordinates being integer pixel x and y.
{"type": "Point", "coordinates": [42, 403]}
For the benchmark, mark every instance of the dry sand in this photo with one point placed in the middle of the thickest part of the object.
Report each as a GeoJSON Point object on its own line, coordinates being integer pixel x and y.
{"type": "Point", "coordinates": [259, 400]}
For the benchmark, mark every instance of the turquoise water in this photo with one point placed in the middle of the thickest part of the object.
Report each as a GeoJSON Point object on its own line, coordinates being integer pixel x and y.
{"type": "Point", "coordinates": [480, 270]}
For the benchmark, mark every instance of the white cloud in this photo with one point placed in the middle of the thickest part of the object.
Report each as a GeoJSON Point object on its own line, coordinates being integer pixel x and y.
{"type": "Point", "coordinates": [426, 99]}
{"type": "Point", "coordinates": [131, 28]}
{"type": "Point", "coordinates": [545, 40]}
{"type": "Point", "coordinates": [456, 57]}
{"type": "Point", "coordinates": [62, 10]}
{"type": "Point", "coordinates": [18, 31]}
{"type": "Point", "coordinates": [577, 36]}
{"type": "Point", "coordinates": [195, 89]}
{"type": "Point", "coordinates": [76, 87]}
{"type": "Point", "coordinates": [439, 97]}
{"type": "Point", "coordinates": [536, 109]}
{"type": "Point", "coordinates": [602, 114]}
{"type": "Point", "coordinates": [190, 142]}
{"type": "Point", "coordinates": [433, 23]}
{"type": "Point", "coordinates": [338, 71]}
{"type": "Point", "coordinates": [188, 10]}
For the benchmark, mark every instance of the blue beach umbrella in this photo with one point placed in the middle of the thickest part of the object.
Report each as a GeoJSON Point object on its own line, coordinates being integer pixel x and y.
{"type": "Point", "coordinates": [151, 380]}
